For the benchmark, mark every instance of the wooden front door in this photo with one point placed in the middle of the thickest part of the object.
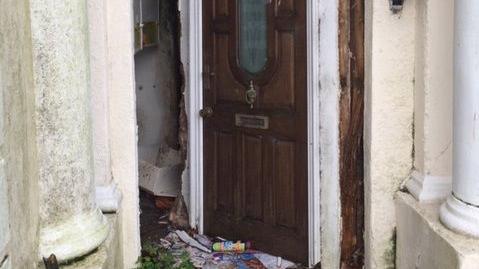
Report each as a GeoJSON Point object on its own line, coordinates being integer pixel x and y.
{"type": "Point", "coordinates": [255, 124]}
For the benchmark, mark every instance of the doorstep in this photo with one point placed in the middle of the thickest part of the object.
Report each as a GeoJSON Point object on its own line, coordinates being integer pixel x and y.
{"type": "Point", "coordinates": [424, 243]}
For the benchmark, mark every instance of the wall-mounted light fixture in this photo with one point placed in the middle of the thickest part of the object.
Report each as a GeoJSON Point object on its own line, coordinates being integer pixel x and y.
{"type": "Point", "coordinates": [396, 5]}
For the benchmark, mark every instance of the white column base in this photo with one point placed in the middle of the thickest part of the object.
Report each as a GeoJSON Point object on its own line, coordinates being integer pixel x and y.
{"type": "Point", "coordinates": [460, 217]}
{"type": "Point", "coordinates": [427, 188]}
{"type": "Point", "coordinates": [108, 198]}
{"type": "Point", "coordinates": [76, 237]}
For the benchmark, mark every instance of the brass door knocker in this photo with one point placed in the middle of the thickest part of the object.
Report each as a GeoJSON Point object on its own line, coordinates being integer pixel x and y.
{"type": "Point", "coordinates": [250, 94]}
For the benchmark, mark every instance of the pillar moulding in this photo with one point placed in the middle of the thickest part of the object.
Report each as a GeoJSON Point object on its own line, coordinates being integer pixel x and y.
{"type": "Point", "coordinates": [460, 212]}
{"type": "Point", "coordinates": [71, 225]}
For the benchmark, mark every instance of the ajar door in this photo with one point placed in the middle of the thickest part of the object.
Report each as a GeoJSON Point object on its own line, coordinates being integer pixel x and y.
{"type": "Point", "coordinates": [255, 124]}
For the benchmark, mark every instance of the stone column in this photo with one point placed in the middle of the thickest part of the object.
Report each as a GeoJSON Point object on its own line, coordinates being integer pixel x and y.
{"type": "Point", "coordinates": [71, 225]}
{"type": "Point", "coordinates": [107, 194]}
{"type": "Point", "coordinates": [461, 210]}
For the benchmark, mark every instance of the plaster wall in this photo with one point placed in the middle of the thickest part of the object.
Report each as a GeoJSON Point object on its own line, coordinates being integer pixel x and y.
{"type": "Point", "coordinates": [433, 88]}
{"type": "Point", "coordinates": [389, 107]}
{"type": "Point", "coordinates": [97, 24]}
{"type": "Point", "coordinates": [18, 143]}
{"type": "Point", "coordinates": [123, 128]}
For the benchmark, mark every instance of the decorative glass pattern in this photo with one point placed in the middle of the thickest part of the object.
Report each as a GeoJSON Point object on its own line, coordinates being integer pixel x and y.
{"type": "Point", "coordinates": [253, 52]}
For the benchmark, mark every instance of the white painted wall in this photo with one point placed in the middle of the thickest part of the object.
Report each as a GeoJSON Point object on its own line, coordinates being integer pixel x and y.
{"type": "Point", "coordinates": [433, 87]}
{"type": "Point", "coordinates": [97, 20]}
{"type": "Point", "coordinates": [389, 107]}
{"type": "Point", "coordinates": [431, 179]}
{"type": "Point", "coordinates": [123, 128]}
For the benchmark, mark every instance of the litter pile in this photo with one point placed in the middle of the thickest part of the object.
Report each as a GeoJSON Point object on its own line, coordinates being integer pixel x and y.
{"type": "Point", "coordinates": [227, 255]}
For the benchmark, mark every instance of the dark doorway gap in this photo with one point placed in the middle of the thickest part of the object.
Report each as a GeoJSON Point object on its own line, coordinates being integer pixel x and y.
{"type": "Point", "coordinates": [153, 218]}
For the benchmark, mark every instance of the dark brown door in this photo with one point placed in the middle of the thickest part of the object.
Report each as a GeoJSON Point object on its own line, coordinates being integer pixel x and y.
{"type": "Point", "coordinates": [255, 137]}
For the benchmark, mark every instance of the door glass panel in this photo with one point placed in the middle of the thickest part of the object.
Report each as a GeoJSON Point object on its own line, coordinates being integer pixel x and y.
{"type": "Point", "coordinates": [253, 35]}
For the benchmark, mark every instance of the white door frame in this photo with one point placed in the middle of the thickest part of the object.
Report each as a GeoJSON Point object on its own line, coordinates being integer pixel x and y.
{"type": "Point", "coordinates": [194, 82]}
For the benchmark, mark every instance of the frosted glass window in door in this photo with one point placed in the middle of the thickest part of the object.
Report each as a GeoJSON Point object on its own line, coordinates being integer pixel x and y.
{"type": "Point", "coordinates": [253, 35]}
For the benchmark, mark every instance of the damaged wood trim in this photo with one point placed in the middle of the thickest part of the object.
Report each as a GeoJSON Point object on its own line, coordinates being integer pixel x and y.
{"type": "Point", "coordinates": [351, 104]}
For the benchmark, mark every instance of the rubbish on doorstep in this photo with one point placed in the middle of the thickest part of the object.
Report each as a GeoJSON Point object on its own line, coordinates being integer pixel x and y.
{"type": "Point", "coordinates": [179, 214]}
{"type": "Point", "coordinates": [230, 246]}
{"type": "Point", "coordinates": [204, 240]}
{"type": "Point", "coordinates": [199, 248]}
{"type": "Point", "coordinates": [190, 241]}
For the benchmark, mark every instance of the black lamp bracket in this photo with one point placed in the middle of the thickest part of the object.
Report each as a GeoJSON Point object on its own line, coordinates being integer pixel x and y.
{"type": "Point", "coordinates": [396, 5]}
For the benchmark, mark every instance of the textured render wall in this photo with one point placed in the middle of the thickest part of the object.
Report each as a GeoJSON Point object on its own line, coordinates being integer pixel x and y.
{"type": "Point", "coordinates": [433, 87]}
{"type": "Point", "coordinates": [16, 82]}
{"type": "Point", "coordinates": [389, 82]}
{"type": "Point", "coordinates": [123, 129]}
{"type": "Point", "coordinates": [97, 25]}
{"type": "Point", "coordinates": [63, 121]}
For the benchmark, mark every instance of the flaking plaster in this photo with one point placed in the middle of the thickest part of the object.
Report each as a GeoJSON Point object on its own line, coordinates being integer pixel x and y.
{"type": "Point", "coordinates": [329, 134]}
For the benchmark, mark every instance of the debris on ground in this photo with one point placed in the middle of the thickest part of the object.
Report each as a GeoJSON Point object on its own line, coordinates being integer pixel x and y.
{"type": "Point", "coordinates": [230, 246]}
{"type": "Point", "coordinates": [164, 202]}
{"type": "Point", "coordinates": [200, 251]}
{"type": "Point", "coordinates": [169, 243]}
{"type": "Point", "coordinates": [179, 214]}
{"type": "Point", "coordinates": [191, 242]}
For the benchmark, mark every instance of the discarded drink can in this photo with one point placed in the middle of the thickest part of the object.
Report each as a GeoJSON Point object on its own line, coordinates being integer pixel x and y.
{"type": "Point", "coordinates": [230, 246]}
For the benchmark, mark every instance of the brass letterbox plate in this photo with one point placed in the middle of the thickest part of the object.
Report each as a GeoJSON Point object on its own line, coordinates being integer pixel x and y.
{"type": "Point", "coordinates": [252, 121]}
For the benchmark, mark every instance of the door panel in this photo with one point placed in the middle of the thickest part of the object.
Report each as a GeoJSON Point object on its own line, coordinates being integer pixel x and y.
{"type": "Point", "coordinates": [255, 178]}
